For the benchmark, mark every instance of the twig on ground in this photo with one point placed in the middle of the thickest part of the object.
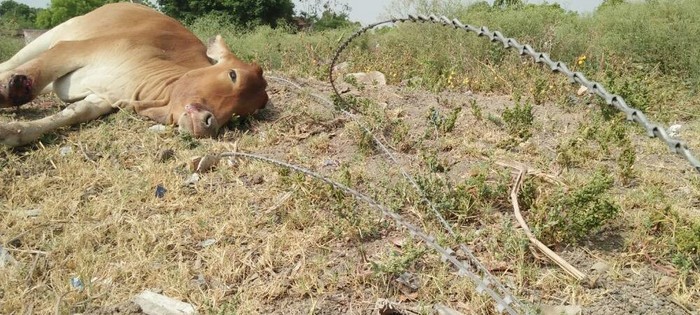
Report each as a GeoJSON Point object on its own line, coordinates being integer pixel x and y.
{"type": "Point", "coordinates": [28, 251]}
{"type": "Point", "coordinates": [543, 248]}
{"type": "Point", "coordinates": [517, 167]}
{"type": "Point", "coordinates": [59, 298]}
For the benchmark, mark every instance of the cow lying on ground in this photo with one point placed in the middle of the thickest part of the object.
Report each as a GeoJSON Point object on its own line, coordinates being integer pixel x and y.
{"type": "Point", "coordinates": [128, 56]}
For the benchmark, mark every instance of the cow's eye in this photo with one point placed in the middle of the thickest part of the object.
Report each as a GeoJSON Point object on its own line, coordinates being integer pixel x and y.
{"type": "Point", "coordinates": [232, 74]}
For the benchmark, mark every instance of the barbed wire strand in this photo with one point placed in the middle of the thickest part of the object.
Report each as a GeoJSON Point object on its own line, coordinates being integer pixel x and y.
{"type": "Point", "coordinates": [489, 279]}
{"type": "Point", "coordinates": [632, 114]}
{"type": "Point", "coordinates": [446, 254]}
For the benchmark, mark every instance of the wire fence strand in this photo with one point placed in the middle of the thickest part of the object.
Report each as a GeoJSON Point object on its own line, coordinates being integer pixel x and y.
{"type": "Point", "coordinates": [653, 129]}
{"type": "Point", "coordinates": [483, 284]}
{"type": "Point", "coordinates": [490, 284]}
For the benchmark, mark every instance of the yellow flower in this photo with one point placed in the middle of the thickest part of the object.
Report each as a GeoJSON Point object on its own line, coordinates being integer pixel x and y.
{"type": "Point", "coordinates": [581, 59]}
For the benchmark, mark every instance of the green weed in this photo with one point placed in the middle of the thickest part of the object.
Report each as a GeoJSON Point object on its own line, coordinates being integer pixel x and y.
{"type": "Point", "coordinates": [443, 123]}
{"type": "Point", "coordinates": [680, 236]}
{"type": "Point", "coordinates": [571, 217]}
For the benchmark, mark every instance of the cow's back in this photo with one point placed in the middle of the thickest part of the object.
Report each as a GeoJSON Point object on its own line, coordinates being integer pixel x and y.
{"type": "Point", "coordinates": [140, 25]}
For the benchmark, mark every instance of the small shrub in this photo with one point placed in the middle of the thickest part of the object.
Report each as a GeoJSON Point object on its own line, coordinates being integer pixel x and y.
{"type": "Point", "coordinates": [680, 237]}
{"type": "Point", "coordinates": [571, 217]}
{"type": "Point", "coordinates": [397, 262]}
{"type": "Point", "coordinates": [476, 110]}
{"type": "Point", "coordinates": [443, 123]}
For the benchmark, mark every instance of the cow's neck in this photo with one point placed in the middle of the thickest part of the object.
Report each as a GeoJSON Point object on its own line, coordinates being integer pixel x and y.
{"type": "Point", "coordinates": [157, 83]}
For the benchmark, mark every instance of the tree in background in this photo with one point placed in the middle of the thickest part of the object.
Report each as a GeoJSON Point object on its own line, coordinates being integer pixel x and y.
{"type": "Point", "coordinates": [506, 3]}
{"type": "Point", "coordinates": [333, 15]}
{"type": "Point", "coordinates": [609, 3]}
{"type": "Point", "coordinates": [18, 13]}
{"type": "Point", "coordinates": [61, 10]}
{"type": "Point", "coordinates": [242, 13]}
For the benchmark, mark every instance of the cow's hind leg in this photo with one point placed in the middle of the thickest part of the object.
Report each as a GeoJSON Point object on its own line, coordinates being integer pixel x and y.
{"type": "Point", "coordinates": [20, 133]}
{"type": "Point", "coordinates": [23, 83]}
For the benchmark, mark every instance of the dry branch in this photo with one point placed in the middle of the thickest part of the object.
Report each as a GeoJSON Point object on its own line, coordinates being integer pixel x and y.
{"type": "Point", "coordinates": [543, 248]}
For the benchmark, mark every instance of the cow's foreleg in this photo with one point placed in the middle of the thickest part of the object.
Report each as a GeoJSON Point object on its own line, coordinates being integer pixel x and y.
{"type": "Point", "coordinates": [23, 83]}
{"type": "Point", "coordinates": [20, 133]}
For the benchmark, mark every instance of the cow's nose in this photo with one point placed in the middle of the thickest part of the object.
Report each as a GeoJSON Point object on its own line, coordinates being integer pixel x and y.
{"type": "Point", "coordinates": [207, 119]}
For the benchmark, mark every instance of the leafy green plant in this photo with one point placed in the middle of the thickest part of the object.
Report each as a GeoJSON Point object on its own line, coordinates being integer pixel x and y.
{"type": "Point", "coordinates": [398, 262]}
{"type": "Point", "coordinates": [680, 236]}
{"type": "Point", "coordinates": [570, 217]}
{"type": "Point", "coordinates": [189, 141]}
{"type": "Point", "coordinates": [518, 120]}
{"type": "Point", "coordinates": [443, 123]}
{"type": "Point", "coordinates": [476, 110]}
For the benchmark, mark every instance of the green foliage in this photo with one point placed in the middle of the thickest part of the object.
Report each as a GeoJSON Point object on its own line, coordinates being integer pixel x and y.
{"type": "Point", "coordinates": [60, 11]}
{"type": "Point", "coordinates": [242, 13]}
{"type": "Point", "coordinates": [518, 121]}
{"type": "Point", "coordinates": [466, 200]}
{"type": "Point", "coordinates": [476, 110]}
{"type": "Point", "coordinates": [571, 217]}
{"type": "Point", "coordinates": [9, 45]}
{"type": "Point", "coordinates": [189, 141]}
{"type": "Point", "coordinates": [681, 237]}
{"type": "Point", "coordinates": [507, 3]}
{"type": "Point", "coordinates": [332, 15]}
{"type": "Point", "coordinates": [609, 3]}
{"type": "Point", "coordinates": [398, 262]}
{"type": "Point", "coordinates": [19, 13]}
{"type": "Point", "coordinates": [443, 123]}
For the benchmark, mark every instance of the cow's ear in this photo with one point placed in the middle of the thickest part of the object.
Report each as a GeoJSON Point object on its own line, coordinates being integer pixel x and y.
{"type": "Point", "coordinates": [217, 49]}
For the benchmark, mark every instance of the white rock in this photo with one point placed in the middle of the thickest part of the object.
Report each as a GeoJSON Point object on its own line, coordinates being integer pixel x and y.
{"type": "Point", "coordinates": [369, 78]}
{"type": "Point", "coordinates": [343, 66]}
{"type": "Point", "coordinates": [444, 310]}
{"type": "Point", "coordinates": [30, 213]}
{"type": "Point", "coordinates": [560, 310]}
{"type": "Point", "coordinates": [582, 90]}
{"type": "Point", "coordinates": [157, 128]}
{"type": "Point", "coordinates": [207, 243]}
{"type": "Point", "coordinates": [63, 151]}
{"type": "Point", "coordinates": [152, 303]}
{"type": "Point", "coordinates": [674, 130]}
{"type": "Point", "coordinates": [5, 258]}
{"type": "Point", "coordinates": [193, 179]}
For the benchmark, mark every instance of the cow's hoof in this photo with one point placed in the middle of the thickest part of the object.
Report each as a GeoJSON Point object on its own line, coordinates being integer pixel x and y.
{"type": "Point", "coordinates": [11, 134]}
{"type": "Point", "coordinates": [19, 89]}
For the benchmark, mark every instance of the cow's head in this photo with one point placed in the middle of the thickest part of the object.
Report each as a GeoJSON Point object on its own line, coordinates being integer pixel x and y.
{"type": "Point", "coordinates": [205, 99]}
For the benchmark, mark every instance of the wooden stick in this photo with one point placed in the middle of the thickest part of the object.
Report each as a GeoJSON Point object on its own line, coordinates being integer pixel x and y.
{"type": "Point", "coordinates": [543, 248]}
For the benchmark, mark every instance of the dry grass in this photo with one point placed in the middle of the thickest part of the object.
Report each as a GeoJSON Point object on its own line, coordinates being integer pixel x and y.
{"type": "Point", "coordinates": [287, 244]}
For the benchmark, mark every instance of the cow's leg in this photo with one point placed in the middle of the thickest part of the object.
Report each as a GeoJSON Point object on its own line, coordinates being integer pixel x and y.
{"type": "Point", "coordinates": [23, 83]}
{"type": "Point", "coordinates": [20, 133]}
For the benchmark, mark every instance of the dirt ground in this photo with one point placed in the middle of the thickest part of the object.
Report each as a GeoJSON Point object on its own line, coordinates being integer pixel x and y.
{"type": "Point", "coordinates": [335, 276]}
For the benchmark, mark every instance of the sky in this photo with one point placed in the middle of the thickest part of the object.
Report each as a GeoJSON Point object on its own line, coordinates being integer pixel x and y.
{"type": "Point", "coordinates": [370, 11]}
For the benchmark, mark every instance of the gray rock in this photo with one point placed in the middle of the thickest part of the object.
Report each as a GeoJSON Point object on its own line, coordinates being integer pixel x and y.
{"type": "Point", "coordinates": [600, 267]}
{"type": "Point", "coordinates": [369, 78]}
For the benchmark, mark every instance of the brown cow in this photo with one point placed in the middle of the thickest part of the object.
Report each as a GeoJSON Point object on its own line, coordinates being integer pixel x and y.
{"type": "Point", "coordinates": [124, 56]}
